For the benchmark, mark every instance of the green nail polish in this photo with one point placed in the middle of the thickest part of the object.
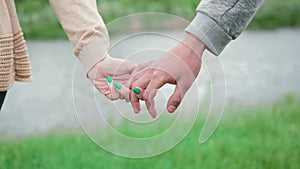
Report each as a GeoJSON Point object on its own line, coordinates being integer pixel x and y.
{"type": "Point", "coordinates": [117, 85]}
{"type": "Point", "coordinates": [109, 79]}
{"type": "Point", "coordinates": [136, 90]}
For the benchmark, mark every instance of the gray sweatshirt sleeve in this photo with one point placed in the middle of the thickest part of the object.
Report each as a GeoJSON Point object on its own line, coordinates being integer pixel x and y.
{"type": "Point", "coordinates": [219, 21]}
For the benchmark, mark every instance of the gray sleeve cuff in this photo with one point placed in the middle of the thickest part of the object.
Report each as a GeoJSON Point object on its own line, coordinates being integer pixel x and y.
{"type": "Point", "coordinates": [209, 32]}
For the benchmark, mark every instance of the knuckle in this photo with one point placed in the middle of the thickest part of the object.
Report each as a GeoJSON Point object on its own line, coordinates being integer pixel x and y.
{"type": "Point", "coordinates": [146, 95]}
{"type": "Point", "coordinates": [158, 77]}
{"type": "Point", "coordinates": [176, 100]}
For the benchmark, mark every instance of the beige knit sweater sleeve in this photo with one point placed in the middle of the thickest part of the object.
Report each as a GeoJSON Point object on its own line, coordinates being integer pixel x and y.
{"type": "Point", "coordinates": [14, 59]}
{"type": "Point", "coordinates": [85, 29]}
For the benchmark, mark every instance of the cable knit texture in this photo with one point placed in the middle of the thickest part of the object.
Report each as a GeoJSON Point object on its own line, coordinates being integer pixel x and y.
{"type": "Point", "coordinates": [14, 60]}
{"type": "Point", "coordinates": [21, 59]}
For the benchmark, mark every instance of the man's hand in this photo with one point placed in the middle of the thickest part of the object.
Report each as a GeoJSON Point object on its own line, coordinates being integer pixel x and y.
{"type": "Point", "coordinates": [119, 70]}
{"type": "Point", "coordinates": [180, 66]}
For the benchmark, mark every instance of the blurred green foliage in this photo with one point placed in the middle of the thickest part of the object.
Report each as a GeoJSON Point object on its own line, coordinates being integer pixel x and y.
{"type": "Point", "coordinates": [263, 137]}
{"type": "Point", "coordinates": [39, 21]}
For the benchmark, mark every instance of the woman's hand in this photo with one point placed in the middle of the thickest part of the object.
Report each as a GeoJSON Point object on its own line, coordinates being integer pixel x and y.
{"type": "Point", "coordinates": [119, 70]}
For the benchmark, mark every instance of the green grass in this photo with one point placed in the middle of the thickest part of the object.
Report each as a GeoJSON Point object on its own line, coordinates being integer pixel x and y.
{"type": "Point", "coordinates": [39, 21]}
{"type": "Point", "coordinates": [263, 137]}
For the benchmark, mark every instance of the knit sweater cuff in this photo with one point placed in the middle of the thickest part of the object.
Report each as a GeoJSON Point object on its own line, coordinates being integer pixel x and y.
{"type": "Point", "coordinates": [21, 59]}
{"type": "Point", "coordinates": [209, 32]}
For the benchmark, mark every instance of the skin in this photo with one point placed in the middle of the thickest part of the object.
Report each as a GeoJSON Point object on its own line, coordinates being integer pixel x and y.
{"type": "Point", "coordinates": [119, 70]}
{"type": "Point", "coordinates": [180, 66]}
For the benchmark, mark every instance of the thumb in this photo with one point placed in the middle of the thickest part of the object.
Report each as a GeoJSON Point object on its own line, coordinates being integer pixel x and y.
{"type": "Point", "coordinates": [175, 99]}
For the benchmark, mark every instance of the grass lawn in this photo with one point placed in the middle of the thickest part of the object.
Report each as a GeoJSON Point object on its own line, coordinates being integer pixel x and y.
{"type": "Point", "coordinates": [263, 137]}
{"type": "Point", "coordinates": [39, 21]}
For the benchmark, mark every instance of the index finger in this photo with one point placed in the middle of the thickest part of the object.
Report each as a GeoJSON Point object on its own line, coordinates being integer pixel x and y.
{"type": "Point", "coordinates": [155, 83]}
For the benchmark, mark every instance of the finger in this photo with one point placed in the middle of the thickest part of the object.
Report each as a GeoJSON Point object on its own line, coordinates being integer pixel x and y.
{"type": "Point", "coordinates": [141, 83]}
{"type": "Point", "coordinates": [176, 98]}
{"type": "Point", "coordinates": [139, 71]}
{"type": "Point", "coordinates": [109, 83]}
{"type": "Point", "coordinates": [104, 89]}
{"type": "Point", "coordinates": [123, 91]}
{"type": "Point", "coordinates": [113, 94]}
{"type": "Point", "coordinates": [105, 86]}
{"type": "Point", "coordinates": [138, 78]}
{"type": "Point", "coordinates": [150, 104]}
{"type": "Point", "coordinates": [136, 95]}
{"type": "Point", "coordinates": [121, 78]}
{"type": "Point", "coordinates": [138, 92]}
{"type": "Point", "coordinates": [156, 82]}
{"type": "Point", "coordinates": [135, 103]}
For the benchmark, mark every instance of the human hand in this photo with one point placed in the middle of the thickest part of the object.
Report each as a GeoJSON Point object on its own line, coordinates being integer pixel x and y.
{"type": "Point", "coordinates": [180, 66]}
{"type": "Point", "coordinates": [119, 70]}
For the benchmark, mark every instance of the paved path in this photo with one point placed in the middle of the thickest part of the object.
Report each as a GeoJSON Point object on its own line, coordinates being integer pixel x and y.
{"type": "Point", "coordinates": [260, 67]}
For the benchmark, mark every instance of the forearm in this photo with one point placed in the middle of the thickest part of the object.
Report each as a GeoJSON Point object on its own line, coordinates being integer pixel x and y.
{"type": "Point", "coordinates": [84, 28]}
{"type": "Point", "coordinates": [194, 44]}
{"type": "Point", "coordinates": [218, 22]}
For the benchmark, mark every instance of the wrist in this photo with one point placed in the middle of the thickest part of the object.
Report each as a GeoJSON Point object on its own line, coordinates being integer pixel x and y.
{"type": "Point", "coordinates": [92, 71]}
{"type": "Point", "coordinates": [93, 52]}
{"type": "Point", "coordinates": [194, 44]}
{"type": "Point", "coordinates": [190, 51]}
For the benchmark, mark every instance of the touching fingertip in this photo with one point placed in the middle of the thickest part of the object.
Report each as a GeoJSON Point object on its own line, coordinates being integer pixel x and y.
{"type": "Point", "coordinates": [153, 116]}
{"type": "Point", "coordinates": [136, 108]}
{"type": "Point", "coordinates": [136, 90]}
{"type": "Point", "coordinates": [171, 108]}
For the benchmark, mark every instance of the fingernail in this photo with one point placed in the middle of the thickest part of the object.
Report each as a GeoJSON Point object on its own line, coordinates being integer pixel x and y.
{"type": "Point", "coordinates": [171, 108]}
{"type": "Point", "coordinates": [136, 90]}
{"type": "Point", "coordinates": [117, 85]}
{"type": "Point", "coordinates": [109, 79]}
